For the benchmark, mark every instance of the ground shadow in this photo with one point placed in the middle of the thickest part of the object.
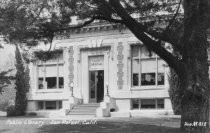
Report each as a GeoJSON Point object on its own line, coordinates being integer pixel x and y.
{"type": "Point", "coordinates": [107, 127]}
{"type": "Point", "coordinates": [4, 130]}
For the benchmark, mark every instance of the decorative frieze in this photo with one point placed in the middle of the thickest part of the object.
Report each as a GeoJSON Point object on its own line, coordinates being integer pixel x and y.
{"type": "Point", "coordinates": [88, 29]}
{"type": "Point", "coordinates": [71, 64]}
{"type": "Point", "coordinates": [120, 65]}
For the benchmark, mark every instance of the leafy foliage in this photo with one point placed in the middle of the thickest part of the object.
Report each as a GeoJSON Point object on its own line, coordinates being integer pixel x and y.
{"type": "Point", "coordinates": [28, 22]}
{"type": "Point", "coordinates": [31, 22]}
{"type": "Point", "coordinates": [44, 56]}
{"type": "Point", "coordinates": [5, 80]}
{"type": "Point", "coordinates": [11, 110]}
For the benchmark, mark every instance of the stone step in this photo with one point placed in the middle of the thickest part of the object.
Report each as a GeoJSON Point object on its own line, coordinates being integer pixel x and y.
{"type": "Point", "coordinates": [88, 105]}
{"type": "Point", "coordinates": [81, 116]}
{"type": "Point", "coordinates": [84, 110]}
{"type": "Point", "coordinates": [81, 113]}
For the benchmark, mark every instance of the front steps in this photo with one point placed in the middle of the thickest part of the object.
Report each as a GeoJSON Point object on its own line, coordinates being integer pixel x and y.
{"type": "Point", "coordinates": [84, 110]}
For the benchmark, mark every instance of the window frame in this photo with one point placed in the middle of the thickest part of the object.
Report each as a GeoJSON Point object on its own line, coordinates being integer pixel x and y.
{"type": "Point", "coordinates": [140, 103]}
{"type": "Point", "coordinates": [58, 104]}
{"type": "Point", "coordinates": [141, 59]}
{"type": "Point", "coordinates": [55, 63]}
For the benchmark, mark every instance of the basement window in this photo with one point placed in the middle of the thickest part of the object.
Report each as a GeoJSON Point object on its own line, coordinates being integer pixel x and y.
{"type": "Point", "coordinates": [40, 105]}
{"type": "Point", "coordinates": [49, 105]}
{"type": "Point", "coordinates": [147, 104]}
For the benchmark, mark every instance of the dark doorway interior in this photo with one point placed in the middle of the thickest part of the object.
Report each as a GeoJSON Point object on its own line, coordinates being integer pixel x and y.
{"type": "Point", "coordinates": [96, 86]}
{"type": "Point", "coordinates": [100, 86]}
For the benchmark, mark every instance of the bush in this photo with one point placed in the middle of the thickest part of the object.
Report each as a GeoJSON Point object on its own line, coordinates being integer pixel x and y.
{"type": "Point", "coordinates": [3, 105]}
{"type": "Point", "coordinates": [11, 110]}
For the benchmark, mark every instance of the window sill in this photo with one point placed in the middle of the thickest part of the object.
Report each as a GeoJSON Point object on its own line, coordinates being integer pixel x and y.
{"type": "Point", "coordinates": [161, 87]}
{"type": "Point", "coordinates": [51, 63]}
{"type": "Point", "coordinates": [48, 110]}
{"type": "Point", "coordinates": [49, 90]}
{"type": "Point", "coordinates": [148, 109]}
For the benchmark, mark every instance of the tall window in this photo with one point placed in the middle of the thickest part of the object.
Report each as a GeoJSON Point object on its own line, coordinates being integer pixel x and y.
{"type": "Point", "coordinates": [147, 67]}
{"type": "Point", "coordinates": [50, 75]}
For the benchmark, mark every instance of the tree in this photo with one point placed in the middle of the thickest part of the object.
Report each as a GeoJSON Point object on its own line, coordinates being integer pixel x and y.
{"type": "Point", "coordinates": [5, 80]}
{"type": "Point", "coordinates": [188, 38]}
{"type": "Point", "coordinates": [21, 85]}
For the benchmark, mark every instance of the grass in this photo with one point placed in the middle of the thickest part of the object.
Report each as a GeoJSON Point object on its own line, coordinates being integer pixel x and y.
{"type": "Point", "coordinates": [110, 125]}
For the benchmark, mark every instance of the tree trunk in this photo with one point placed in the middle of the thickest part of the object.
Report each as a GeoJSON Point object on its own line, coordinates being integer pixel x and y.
{"type": "Point", "coordinates": [195, 81]}
{"type": "Point", "coordinates": [195, 99]}
{"type": "Point", "coordinates": [192, 69]}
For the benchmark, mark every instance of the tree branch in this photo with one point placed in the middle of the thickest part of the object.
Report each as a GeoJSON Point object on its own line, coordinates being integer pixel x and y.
{"type": "Point", "coordinates": [139, 32]}
{"type": "Point", "coordinates": [92, 19]}
{"type": "Point", "coordinates": [173, 19]}
{"type": "Point", "coordinates": [144, 28]}
{"type": "Point", "coordinates": [36, 16]}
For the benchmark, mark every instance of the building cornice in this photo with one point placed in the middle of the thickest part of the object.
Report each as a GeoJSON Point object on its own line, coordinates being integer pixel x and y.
{"type": "Point", "coordinates": [106, 26]}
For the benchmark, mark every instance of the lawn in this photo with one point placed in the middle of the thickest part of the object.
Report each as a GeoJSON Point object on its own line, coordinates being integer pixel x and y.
{"type": "Point", "coordinates": [110, 125]}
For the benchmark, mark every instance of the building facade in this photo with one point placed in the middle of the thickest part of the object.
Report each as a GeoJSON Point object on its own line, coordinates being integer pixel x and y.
{"type": "Point", "coordinates": [101, 63]}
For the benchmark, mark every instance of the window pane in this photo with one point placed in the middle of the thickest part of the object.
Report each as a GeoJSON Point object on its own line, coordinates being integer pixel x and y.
{"type": "Point", "coordinates": [160, 103]}
{"type": "Point", "coordinates": [161, 65]}
{"type": "Point", "coordinates": [51, 71]}
{"type": "Point", "coordinates": [41, 71]}
{"type": "Point", "coordinates": [135, 51]}
{"type": "Point", "coordinates": [160, 78]}
{"type": "Point", "coordinates": [148, 79]}
{"type": "Point", "coordinates": [60, 56]}
{"type": "Point", "coordinates": [40, 105]}
{"type": "Point", "coordinates": [60, 71]}
{"type": "Point", "coordinates": [56, 57]}
{"type": "Point", "coordinates": [148, 65]}
{"type": "Point", "coordinates": [135, 72]}
{"type": "Point", "coordinates": [61, 82]}
{"type": "Point", "coordinates": [135, 103]}
{"type": "Point", "coordinates": [60, 105]}
{"type": "Point", "coordinates": [50, 104]}
{"type": "Point", "coordinates": [40, 83]}
{"type": "Point", "coordinates": [145, 53]}
{"type": "Point", "coordinates": [147, 103]}
{"type": "Point", "coordinates": [135, 66]}
{"type": "Point", "coordinates": [51, 82]}
{"type": "Point", "coordinates": [135, 79]}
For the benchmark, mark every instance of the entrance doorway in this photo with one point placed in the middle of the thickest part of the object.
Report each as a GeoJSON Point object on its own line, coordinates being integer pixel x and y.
{"type": "Point", "coordinates": [96, 85]}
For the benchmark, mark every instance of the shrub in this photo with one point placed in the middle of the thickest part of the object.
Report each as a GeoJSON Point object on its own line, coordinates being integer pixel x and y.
{"type": "Point", "coordinates": [3, 105]}
{"type": "Point", "coordinates": [11, 110]}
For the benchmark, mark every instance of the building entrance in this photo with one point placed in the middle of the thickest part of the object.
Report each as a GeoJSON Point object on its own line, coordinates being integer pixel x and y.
{"type": "Point", "coordinates": [96, 85]}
